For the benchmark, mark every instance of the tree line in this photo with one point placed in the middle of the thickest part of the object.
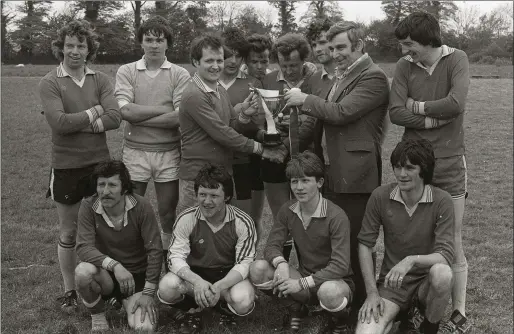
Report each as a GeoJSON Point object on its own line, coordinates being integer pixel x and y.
{"type": "Point", "coordinates": [28, 27]}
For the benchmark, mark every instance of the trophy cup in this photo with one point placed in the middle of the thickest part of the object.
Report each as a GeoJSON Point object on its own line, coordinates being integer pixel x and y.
{"type": "Point", "coordinates": [273, 106]}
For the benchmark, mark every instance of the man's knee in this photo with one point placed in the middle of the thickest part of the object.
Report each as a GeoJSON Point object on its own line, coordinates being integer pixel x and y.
{"type": "Point", "coordinates": [440, 277]}
{"type": "Point", "coordinates": [242, 298]}
{"type": "Point", "coordinates": [332, 294]}
{"type": "Point", "coordinates": [169, 287]}
{"type": "Point", "coordinates": [84, 273]}
{"type": "Point", "coordinates": [258, 271]}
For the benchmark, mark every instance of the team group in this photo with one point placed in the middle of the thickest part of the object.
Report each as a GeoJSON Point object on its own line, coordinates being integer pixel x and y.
{"type": "Point", "coordinates": [200, 139]}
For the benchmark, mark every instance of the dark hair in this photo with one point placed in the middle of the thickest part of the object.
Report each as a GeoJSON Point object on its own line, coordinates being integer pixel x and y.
{"type": "Point", "coordinates": [290, 42]}
{"type": "Point", "coordinates": [234, 40]}
{"type": "Point", "coordinates": [156, 25]}
{"type": "Point", "coordinates": [305, 164]}
{"type": "Point", "coordinates": [259, 43]}
{"type": "Point", "coordinates": [212, 176]}
{"type": "Point", "coordinates": [419, 152]}
{"type": "Point", "coordinates": [316, 27]}
{"type": "Point", "coordinates": [110, 168]}
{"type": "Point", "coordinates": [353, 30]}
{"type": "Point", "coordinates": [422, 27]}
{"type": "Point", "coordinates": [80, 29]}
{"type": "Point", "coordinates": [207, 41]}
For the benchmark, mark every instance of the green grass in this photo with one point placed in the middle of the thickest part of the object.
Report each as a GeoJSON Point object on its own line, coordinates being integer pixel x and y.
{"type": "Point", "coordinates": [30, 230]}
{"type": "Point", "coordinates": [504, 71]}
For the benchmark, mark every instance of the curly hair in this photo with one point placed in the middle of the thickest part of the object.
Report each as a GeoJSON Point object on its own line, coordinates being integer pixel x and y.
{"type": "Point", "coordinates": [212, 177]}
{"type": "Point", "coordinates": [259, 43]}
{"type": "Point", "coordinates": [234, 40]}
{"type": "Point", "coordinates": [290, 42]}
{"type": "Point", "coordinates": [354, 31]}
{"type": "Point", "coordinates": [207, 41]}
{"type": "Point", "coordinates": [316, 27]}
{"type": "Point", "coordinates": [110, 168]}
{"type": "Point", "coordinates": [421, 27]}
{"type": "Point", "coordinates": [81, 29]}
{"type": "Point", "coordinates": [156, 25]}
{"type": "Point", "coordinates": [419, 152]}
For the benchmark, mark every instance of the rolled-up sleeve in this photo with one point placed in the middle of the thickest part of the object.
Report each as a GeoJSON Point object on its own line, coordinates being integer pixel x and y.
{"type": "Point", "coordinates": [444, 229]}
{"type": "Point", "coordinates": [371, 222]}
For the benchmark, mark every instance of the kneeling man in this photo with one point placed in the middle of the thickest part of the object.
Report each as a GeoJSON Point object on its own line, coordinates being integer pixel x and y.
{"type": "Point", "coordinates": [119, 244]}
{"type": "Point", "coordinates": [321, 233]}
{"type": "Point", "coordinates": [211, 249]}
{"type": "Point", "coordinates": [418, 223]}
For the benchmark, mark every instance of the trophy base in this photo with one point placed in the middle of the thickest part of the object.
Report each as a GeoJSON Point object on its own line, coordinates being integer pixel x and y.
{"type": "Point", "coordinates": [271, 139]}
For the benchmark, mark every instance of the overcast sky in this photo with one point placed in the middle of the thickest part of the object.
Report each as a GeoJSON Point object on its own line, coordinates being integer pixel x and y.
{"type": "Point", "coordinates": [363, 11]}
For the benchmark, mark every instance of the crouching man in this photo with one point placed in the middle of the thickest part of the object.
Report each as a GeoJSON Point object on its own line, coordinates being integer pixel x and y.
{"type": "Point", "coordinates": [321, 233]}
{"type": "Point", "coordinates": [211, 249]}
{"type": "Point", "coordinates": [119, 244]}
{"type": "Point", "coordinates": [418, 224]}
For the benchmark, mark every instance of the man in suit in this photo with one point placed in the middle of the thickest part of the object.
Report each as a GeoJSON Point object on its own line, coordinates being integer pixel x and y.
{"type": "Point", "coordinates": [352, 112]}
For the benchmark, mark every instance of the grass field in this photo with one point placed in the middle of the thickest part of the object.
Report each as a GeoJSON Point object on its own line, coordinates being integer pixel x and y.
{"type": "Point", "coordinates": [30, 278]}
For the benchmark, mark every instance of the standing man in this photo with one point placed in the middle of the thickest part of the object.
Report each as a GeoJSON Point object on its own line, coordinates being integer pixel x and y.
{"type": "Point", "coordinates": [119, 244]}
{"type": "Point", "coordinates": [428, 98]}
{"type": "Point", "coordinates": [321, 231]}
{"type": "Point", "coordinates": [149, 92]}
{"type": "Point", "coordinates": [211, 251]}
{"type": "Point", "coordinates": [352, 111]}
{"type": "Point", "coordinates": [291, 50]}
{"type": "Point", "coordinates": [208, 122]}
{"type": "Point", "coordinates": [256, 65]}
{"type": "Point", "coordinates": [79, 106]}
{"type": "Point", "coordinates": [237, 84]}
{"type": "Point", "coordinates": [417, 220]}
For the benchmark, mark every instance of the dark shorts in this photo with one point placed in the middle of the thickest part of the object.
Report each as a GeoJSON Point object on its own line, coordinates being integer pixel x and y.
{"type": "Point", "coordinates": [407, 295]}
{"type": "Point", "coordinates": [139, 281]}
{"type": "Point", "coordinates": [255, 171]}
{"type": "Point", "coordinates": [313, 292]}
{"type": "Point", "coordinates": [272, 172]}
{"type": "Point", "coordinates": [70, 186]}
{"type": "Point", "coordinates": [242, 181]}
{"type": "Point", "coordinates": [450, 174]}
{"type": "Point", "coordinates": [208, 274]}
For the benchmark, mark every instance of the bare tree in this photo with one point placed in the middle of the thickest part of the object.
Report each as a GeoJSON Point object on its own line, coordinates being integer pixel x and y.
{"type": "Point", "coordinates": [223, 13]}
{"type": "Point", "coordinates": [466, 18]}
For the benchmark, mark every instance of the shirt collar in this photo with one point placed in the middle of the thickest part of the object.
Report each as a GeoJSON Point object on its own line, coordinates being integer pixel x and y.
{"type": "Point", "coordinates": [130, 203]}
{"type": "Point", "coordinates": [427, 196]}
{"type": "Point", "coordinates": [201, 84]}
{"type": "Point", "coordinates": [229, 214]}
{"type": "Point", "coordinates": [141, 64]}
{"type": "Point", "coordinates": [446, 51]}
{"type": "Point", "coordinates": [61, 72]}
{"type": "Point", "coordinates": [341, 75]}
{"type": "Point", "coordinates": [320, 212]}
{"type": "Point", "coordinates": [324, 72]}
{"type": "Point", "coordinates": [280, 77]}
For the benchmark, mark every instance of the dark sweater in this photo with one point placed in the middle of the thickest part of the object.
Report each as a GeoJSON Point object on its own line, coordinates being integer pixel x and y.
{"type": "Point", "coordinates": [444, 94]}
{"type": "Point", "coordinates": [137, 246]}
{"type": "Point", "coordinates": [429, 229]}
{"type": "Point", "coordinates": [323, 248]}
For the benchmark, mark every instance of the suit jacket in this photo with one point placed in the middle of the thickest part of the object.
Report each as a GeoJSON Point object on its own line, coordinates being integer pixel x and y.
{"type": "Point", "coordinates": [354, 127]}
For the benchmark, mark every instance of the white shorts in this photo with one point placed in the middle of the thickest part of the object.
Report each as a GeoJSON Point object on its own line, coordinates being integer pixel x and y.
{"type": "Point", "coordinates": [145, 165]}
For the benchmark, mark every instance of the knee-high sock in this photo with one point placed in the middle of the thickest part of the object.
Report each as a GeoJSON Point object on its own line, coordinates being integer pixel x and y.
{"type": "Point", "coordinates": [67, 261]}
{"type": "Point", "coordinates": [460, 281]}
